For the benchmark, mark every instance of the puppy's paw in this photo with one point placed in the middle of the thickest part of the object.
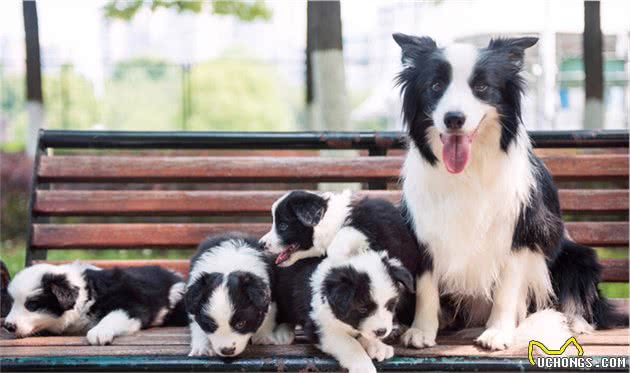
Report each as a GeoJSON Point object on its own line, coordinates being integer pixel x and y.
{"type": "Point", "coordinates": [362, 366]}
{"type": "Point", "coordinates": [495, 339]}
{"type": "Point", "coordinates": [100, 336]}
{"type": "Point", "coordinates": [378, 350]}
{"type": "Point", "coordinates": [283, 334]}
{"type": "Point", "coordinates": [200, 350]}
{"type": "Point", "coordinates": [418, 338]}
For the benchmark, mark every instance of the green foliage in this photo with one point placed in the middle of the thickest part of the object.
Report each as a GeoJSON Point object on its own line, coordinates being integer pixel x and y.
{"type": "Point", "coordinates": [69, 100]}
{"type": "Point", "coordinates": [238, 94]}
{"type": "Point", "coordinates": [246, 11]}
{"type": "Point", "coordinates": [154, 68]}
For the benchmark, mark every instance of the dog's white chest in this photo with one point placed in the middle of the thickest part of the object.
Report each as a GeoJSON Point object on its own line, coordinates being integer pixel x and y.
{"type": "Point", "coordinates": [466, 221]}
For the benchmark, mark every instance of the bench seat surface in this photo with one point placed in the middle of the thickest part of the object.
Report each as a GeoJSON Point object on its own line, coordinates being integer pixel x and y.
{"type": "Point", "coordinates": [168, 347]}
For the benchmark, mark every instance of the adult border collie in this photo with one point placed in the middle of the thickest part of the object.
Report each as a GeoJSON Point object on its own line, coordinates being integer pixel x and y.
{"type": "Point", "coordinates": [483, 206]}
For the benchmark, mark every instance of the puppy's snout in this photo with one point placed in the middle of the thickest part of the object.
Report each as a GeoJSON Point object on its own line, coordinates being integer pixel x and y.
{"type": "Point", "coordinates": [10, 327]}
{"type": "Point", "coordinates": [228, 351]}
{"type": "Point", "coordinates": [454, 120]}
{"type": "Point", "coordinates": [380, 332]}
{"type": "Point", "coordinates": [264, 245]}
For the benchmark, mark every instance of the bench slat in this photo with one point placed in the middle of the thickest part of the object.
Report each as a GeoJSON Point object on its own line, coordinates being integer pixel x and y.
{"type": "Point", "coordinates": [289, 350]}
{"type": "Point", "coordinates": [178, 202]}
{"type": "Point", "coordinates": [613, 270]}
{"type": "Point", "coordinates": [180, 169]}
{"type": "Point", "coordinates": [141, 235]}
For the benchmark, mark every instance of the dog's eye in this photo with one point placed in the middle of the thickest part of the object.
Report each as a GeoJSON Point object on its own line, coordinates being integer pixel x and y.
{"type": "Point", "coordinates": [283, 226]}
{"type": "Point", "coordinates": [437, 87]}
{"type": "Point", "coordinates": [31, 305]}
{"type": "Point", "coordinates": [481, 88]}
{"type": "Point", "coordinates": [240, 325]}
{"type": "Point", "coordinates": [362, 310]}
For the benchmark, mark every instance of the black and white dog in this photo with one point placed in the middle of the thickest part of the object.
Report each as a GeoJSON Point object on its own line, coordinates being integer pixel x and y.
{"type": "Point", "coordinates": [77, 298]}
{"type": "Point", "coordinates": [483, 207]}
{"type": "Point", "coordinates": [345, 306]}
{"type": "Point", "coordinates": [229, 298]}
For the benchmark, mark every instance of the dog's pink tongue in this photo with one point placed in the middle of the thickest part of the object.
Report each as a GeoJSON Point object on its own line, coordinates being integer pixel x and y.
{"type": "Point", "coordinates": [456, 151]}
{"type": "Point", "coordinates": [283, 256]}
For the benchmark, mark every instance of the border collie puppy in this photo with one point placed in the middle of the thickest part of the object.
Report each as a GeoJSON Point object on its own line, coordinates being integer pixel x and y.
{"type": "Point", "coordinates": [483, 207]}
{"type": "Point", "coordinates": [228, 297]}
{"type": "Point", "coordinates": [338, 225]}
{"type": "Point", "coordinates": [345, 306]}
{"type": "Point", "coordinates": [106, 303]}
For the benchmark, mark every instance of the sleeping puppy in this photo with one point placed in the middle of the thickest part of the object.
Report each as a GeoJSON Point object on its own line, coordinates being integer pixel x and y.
{"type": "Point", "coordinates": [106, 303]}
{"type": "Point", "coordinates": [345, 306]}
{"type": "Point", "coordinates": [228, 298]}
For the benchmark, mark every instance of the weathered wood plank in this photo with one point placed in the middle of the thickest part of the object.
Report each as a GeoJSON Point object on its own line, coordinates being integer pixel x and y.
{"type": "Point", "coordinates": [614, 270]}
{"type": "Point", "coordinates": [179, 169]}
{"type": "Point", "coordinates": [180, 336]}
{"type": "Point", "coordinates": [290, 350]}
{"type": "Point", "coordinates": [102, 202]}
{"type": "Point", "coordinates": [141, 235]}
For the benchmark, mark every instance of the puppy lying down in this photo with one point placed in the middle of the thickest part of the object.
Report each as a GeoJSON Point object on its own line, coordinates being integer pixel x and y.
{"type": "Point", "coordinates": [228, 297]}
{"type": "Point", "coordinates": [79, 298]}
{"type": "Point", "coordinates": [345, 306]}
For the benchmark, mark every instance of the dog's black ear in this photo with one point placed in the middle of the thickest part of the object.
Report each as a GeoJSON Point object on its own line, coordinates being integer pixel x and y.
{"type": "Point", "coordinates": [513, 48]}
{"type": "Point", "coordinates": [199, 290]}
{"type": "Point", "coordinates": [60, 288]}
{"type": "Point", "coordinates": [340, 288]}
{"type": "Point", "coordinates": [309, 208]}
{"type": "Point", "coordinates": [399, 274]}
{"type": "Point", "coordinates": [413, 46]}
{"type": "Point", "coordinates": [252, 286]}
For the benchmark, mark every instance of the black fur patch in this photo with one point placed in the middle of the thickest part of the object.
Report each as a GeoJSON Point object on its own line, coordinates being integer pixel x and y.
{"type": "Point", "coordinates": [251, 297]}
{"type": "Point", "coordinates": [295, 217]}
{"type": "Point", "coordinates": [348, 293]}
{"type": "Point", "coordinates": [142, 292]}
{"type": "Point", "coordinates": [5, 298]}
{"type": "Point", "coordinates": [197, 295]}
{"type": "Point", "coordinates": [57, 296]}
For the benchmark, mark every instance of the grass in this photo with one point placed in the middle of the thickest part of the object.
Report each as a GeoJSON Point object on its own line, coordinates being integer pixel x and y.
{"type": "Point", "coordinates": [13, 254]}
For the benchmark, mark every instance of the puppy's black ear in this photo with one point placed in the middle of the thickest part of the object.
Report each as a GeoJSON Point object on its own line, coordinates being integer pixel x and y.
{"type": "Point", "coordinates": [400, 274]}
{"type": "Point", "coordinates": [513, 48]}
{"type": "Point", "coordinates": [340, 288]}
{"type": "Point", "coordinates": [198, 291]}
{"type": "Point", "coordinates": [60, 288]}
{"type": "Point", "coordinates": [309, 208]}
{"type": "Point", "coordinates": [252, 286]}
{"type": "Point", "coordinates": [413, 46]}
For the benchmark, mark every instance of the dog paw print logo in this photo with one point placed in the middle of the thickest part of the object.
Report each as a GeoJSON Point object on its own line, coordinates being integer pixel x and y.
{"type": "Point", "coordinates": [549, 352]}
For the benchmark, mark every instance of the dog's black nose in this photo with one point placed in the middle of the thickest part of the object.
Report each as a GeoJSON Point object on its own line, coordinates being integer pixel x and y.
{"type": "Point", "coordinates": [228, 351]}
{"type": "Point", "coordinates": [9, 326]}
{"type": "Point", "coordinates": [454, 120]}
{"type": "Point", "coordinates": [380, 332]}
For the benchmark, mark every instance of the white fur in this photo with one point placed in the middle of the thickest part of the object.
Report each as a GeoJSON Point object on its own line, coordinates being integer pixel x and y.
{"type": "Point", "coordinates": [199, 342]}
{"type": "Point", "coordinates": [220, 308]}
{"type": "Point", "coordinates": [114, 324]}
{"type": "Point", "coordinates": [231, 256]}
{"type": "Point", "coordinates": [425, 325]}
{"type": "Point", "coordinates": [176, 293]}
{"type": "Point", "coordinates": [27, 283]}
{"type": "Point", "coordinates": [347, 242]}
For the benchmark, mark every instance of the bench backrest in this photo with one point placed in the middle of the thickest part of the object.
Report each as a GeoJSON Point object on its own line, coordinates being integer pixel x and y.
{"type": "Point", "coordinates": [128, 190]}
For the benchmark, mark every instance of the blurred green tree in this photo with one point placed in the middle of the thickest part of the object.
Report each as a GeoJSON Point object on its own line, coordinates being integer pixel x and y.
{"type": "Point", "coordinates": [246, 11]}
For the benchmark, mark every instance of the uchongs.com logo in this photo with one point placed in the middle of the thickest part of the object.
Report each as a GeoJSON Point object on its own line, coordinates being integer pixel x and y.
{"type": "Point", "coordinates": [553, 359]}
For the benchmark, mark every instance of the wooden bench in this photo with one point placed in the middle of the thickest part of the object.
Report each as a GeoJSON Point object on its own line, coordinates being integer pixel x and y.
{"type": "Point", "coordinates": [164, 190]}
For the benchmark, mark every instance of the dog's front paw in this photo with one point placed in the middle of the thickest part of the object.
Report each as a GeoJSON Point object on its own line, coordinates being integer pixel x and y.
{"type": "Point", "coordinates": [495, 339]}
{"type": "Point", "coordinates": [362, 366]}
{"type": "Point", "coordinates": [100, 336]}
{"type": "Point", "coordinates": [200, 350]}
{"type": "Point", "coordinates": [283, 334]}
{"type": "Point", "coordinates": [378, 350]}
{"type": "Point", "coordinates": [418, 338]}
